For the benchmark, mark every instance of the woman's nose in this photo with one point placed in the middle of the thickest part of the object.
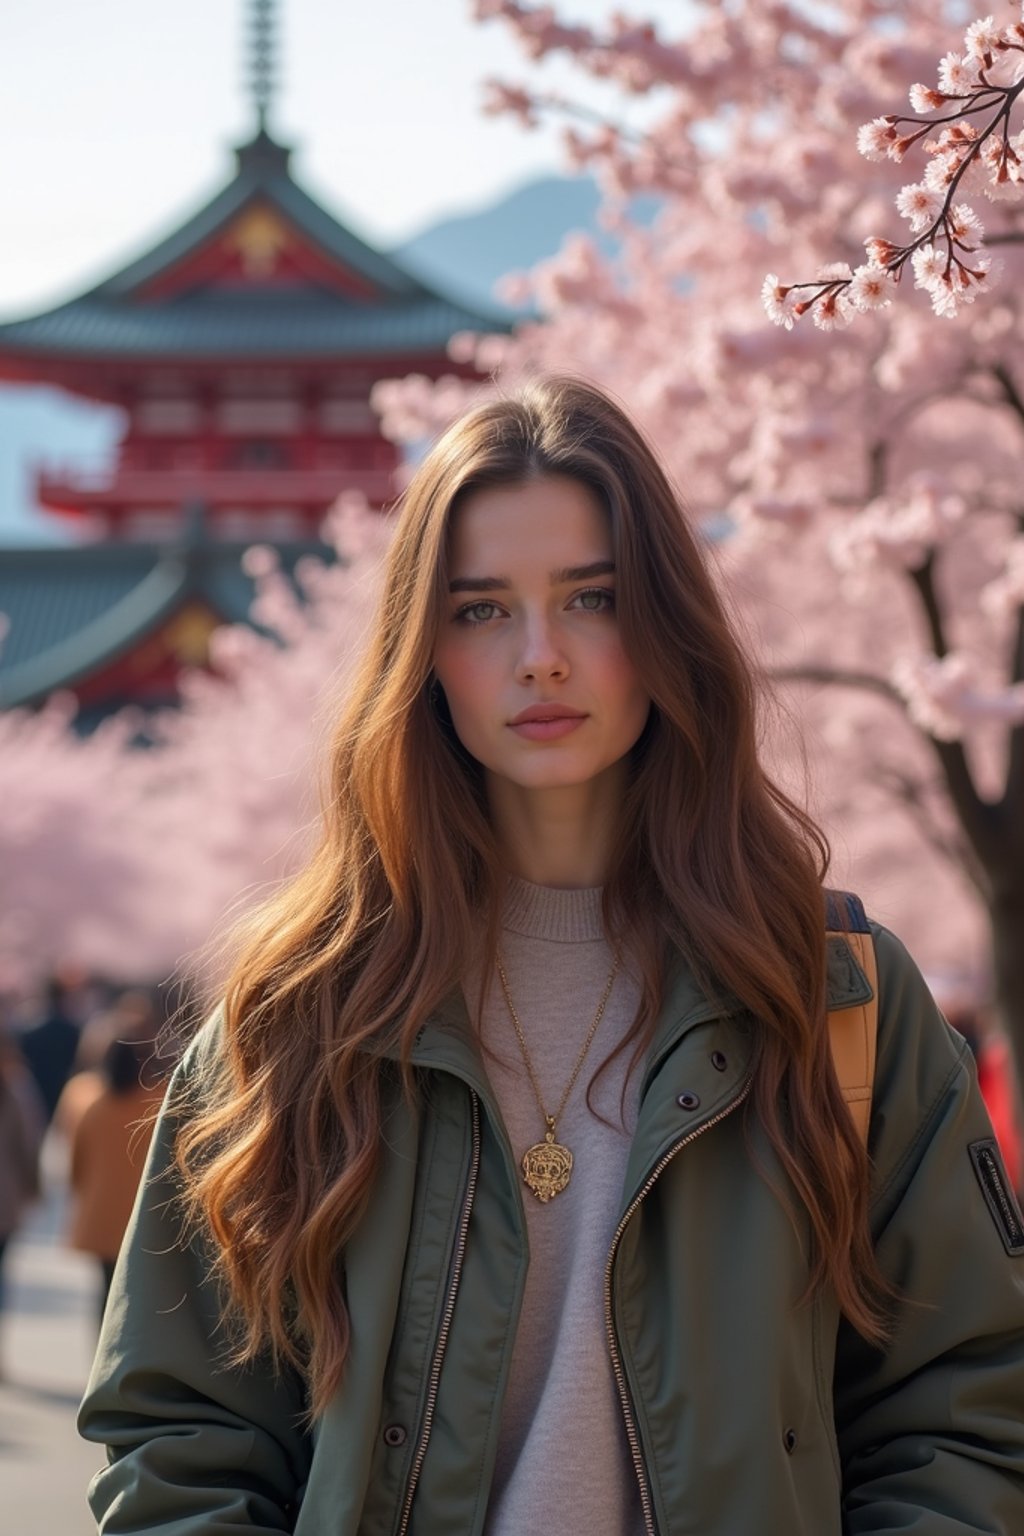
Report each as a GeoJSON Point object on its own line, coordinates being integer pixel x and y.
{"type": "Point", "coordinates": [540, 654]}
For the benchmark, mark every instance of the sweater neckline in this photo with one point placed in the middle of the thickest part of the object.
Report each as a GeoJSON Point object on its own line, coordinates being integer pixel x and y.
{"type": "Point", "coordinates": [563, 916]}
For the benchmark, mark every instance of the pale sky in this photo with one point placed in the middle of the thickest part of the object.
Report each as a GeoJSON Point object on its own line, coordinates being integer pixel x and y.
{"type": "Point", "coordinates": [117, 118]}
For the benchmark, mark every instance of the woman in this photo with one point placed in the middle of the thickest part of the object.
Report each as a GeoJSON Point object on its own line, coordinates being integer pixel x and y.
{"type": "Point", "coordinates": [512, 1188]}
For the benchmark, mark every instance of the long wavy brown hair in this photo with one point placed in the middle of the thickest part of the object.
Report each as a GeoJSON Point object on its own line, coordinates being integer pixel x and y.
{"type": "Point", "coordinates": [280, 1152]}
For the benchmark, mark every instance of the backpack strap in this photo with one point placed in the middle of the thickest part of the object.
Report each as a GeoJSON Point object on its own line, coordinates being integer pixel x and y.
{"type": "Point", "coordinates": [853, 1019]}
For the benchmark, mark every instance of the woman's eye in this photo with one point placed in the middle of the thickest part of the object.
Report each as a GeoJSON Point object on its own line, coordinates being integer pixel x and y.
{"type": "Point", "coordinates": [476, 613]}
{"type": "Point", "coordinates": [596, 599]}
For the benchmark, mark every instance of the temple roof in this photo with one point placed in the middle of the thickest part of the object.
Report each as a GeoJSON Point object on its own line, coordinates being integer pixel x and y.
{"type": "Point", "coordinates": [76, 609]}
{"type": "Point", "coordinates": [208, 327]}
{"type": "Point", "coordinates": [262, 270]}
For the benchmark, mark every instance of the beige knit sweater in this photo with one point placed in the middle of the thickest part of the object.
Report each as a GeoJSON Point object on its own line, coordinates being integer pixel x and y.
{"type": "Point", "coordinates": [563, 1462]}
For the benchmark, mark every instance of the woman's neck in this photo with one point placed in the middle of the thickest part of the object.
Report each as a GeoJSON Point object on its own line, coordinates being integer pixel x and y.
{"type": "Point", "coordinates": [559, 836]}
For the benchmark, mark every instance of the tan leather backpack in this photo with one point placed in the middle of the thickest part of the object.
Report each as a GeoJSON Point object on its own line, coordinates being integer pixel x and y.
{"type": "Point", "coordinates": [853, 1027]}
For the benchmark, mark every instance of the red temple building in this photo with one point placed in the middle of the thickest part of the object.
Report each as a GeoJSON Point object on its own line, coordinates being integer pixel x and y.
{"type": "Point", "coordinates": [242, 351]}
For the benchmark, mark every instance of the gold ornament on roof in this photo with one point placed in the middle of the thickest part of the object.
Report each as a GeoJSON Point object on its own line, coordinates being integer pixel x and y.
{"type": "Point", "coordinates": [259, 237]}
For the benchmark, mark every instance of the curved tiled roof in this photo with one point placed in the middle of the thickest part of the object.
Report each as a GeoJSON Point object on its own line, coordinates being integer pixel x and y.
{"type": "Point", "coordinates": [73, 609]}
{"type": "Point", "coordinates": [117, 319]}
{"type": "Point", "coordinates": [204, 325]}
{"type": "Point", "coordinates": [263, 173]}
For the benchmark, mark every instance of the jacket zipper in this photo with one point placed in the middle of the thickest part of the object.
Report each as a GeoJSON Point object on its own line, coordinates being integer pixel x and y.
{"type": "Point", "coordinates": [613, 1343]}
{"type": "Point", "coordinates": [446, 1320]}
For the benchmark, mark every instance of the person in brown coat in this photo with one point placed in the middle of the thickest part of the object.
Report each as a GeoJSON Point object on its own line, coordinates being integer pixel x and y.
{"type": "Point", "coordinates": [109, 1143]}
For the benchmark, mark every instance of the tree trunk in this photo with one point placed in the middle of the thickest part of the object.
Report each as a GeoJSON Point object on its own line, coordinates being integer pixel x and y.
{"type": "Point", "coordinates": [1007, 916]}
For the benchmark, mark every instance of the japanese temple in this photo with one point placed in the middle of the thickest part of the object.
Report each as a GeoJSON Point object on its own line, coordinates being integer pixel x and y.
{"type": "Point", "coordinates": [242, 351]}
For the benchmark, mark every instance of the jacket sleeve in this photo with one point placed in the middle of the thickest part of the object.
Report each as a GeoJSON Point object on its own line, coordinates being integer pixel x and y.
{"type": "Point", "coordinates": [195, 1447]}
{"type": "Point", "coordinates": [931, 1428]}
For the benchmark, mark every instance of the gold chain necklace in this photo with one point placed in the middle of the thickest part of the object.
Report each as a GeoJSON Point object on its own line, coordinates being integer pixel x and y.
{"type": "Point", "coordinates": [547, 1166]}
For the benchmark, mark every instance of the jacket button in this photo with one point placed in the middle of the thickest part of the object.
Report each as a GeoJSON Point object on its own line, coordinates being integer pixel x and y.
{"type": "Point", "coordinates": [789, 1441]}
{"type": "Point", "coordinates": [718, 1061]}
{"type": "Point", "coordinates": [395, 1435]}
{"type": "Point", "coordinates": [688, 1101]}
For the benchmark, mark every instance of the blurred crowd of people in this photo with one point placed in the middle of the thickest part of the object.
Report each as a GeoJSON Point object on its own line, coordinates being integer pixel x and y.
{"type": "Point", "coordinates": [83, 1069]}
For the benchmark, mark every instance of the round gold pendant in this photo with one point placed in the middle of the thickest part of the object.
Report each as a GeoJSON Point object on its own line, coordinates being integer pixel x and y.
{"type": "Point", "coordinates": [547, 1168]}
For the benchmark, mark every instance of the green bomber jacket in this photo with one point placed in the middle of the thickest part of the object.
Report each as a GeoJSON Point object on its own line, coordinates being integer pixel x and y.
{"type": "Point", "coordinates": [749, 1411]}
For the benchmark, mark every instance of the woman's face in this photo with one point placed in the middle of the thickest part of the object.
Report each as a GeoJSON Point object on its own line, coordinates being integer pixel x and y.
{"type": "Point", "coordinates": [530, 626]}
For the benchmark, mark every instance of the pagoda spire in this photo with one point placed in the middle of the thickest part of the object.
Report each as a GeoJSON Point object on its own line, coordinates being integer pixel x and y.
{"type": "Point", "coordinates": [262, 58]}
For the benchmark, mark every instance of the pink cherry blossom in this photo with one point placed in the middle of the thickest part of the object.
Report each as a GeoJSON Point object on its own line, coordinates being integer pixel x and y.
{"type": "Point", "coordinates": [871, 287]}
{"type": "Point", "coordinates": [941, 169]}
{"type": "Point", "coordinates": [957, 76]}
{"type": "Point", "coordinates": [982, 38]}
{"type": "Point", "coordinates": [834, 310]}
{"type": "Point", "coordinates": [965, 226]}
{"type": "Point", "coordinates": [919, 204]}
{"type": "Point", "coordinates": [929, 266]}
{"type": "Point", "coordinates": [874, 138]}
{"type": "Point", "coordinates": [500, 99]}
{"type": "Point", "coordinates": [780, 303]}
{"type": "Point", "coordinates": [942, 694]}
{"type": "Point", "coordinates": [924, 98]}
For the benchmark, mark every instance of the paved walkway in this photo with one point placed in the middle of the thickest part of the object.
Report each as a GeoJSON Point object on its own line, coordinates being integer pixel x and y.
{"type": "Point", "coordinates": [47, 1335]}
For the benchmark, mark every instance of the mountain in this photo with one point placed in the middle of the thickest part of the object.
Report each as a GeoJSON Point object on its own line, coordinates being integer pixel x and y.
{"type": "Point", "coordinates": [463, 257]}
{"type": "Point", "coordinates": [468, 255]}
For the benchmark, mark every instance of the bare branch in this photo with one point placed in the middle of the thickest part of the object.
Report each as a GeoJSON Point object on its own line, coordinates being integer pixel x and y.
{"type": "Point", "coordinates": [1008, 384]}
{"type": "Point", "coordinates": [878, 455]}
{"type": "Point", "coordinates": [840, 677]}
{"type": "Point", "coordinates": [636, 139]}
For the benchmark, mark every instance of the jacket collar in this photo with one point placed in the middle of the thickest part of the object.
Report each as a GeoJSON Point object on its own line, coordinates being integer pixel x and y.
{"type": "Point", "coordinates": [447, 1039]}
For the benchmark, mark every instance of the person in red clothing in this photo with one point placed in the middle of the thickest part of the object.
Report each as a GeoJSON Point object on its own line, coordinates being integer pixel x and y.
{"type": "Point", "coordinates": [997, 1080]}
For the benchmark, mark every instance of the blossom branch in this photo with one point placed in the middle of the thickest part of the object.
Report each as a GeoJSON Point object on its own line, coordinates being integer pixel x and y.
{"type": "Point", "coordinates": [614, 136]}
{"type": "Point", "coordinates": [840, 677]}
{"type": "Point", "coordinates": [945, 253]}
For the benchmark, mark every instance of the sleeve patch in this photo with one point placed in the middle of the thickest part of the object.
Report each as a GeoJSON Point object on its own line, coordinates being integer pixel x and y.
{"type": "Point", "coordinates": [998, 1191]}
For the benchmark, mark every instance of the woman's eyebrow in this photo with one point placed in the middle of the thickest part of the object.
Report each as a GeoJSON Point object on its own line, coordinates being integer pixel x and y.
{"type": "Point", "coordinates": [557, 578]}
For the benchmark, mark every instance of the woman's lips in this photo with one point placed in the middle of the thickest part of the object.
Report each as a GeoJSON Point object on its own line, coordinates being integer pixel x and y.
{"type": "Point", "coordinates": [547, 730]}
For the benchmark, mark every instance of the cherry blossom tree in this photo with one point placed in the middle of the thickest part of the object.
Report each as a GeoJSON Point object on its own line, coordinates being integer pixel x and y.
{"type": "Point", "coordinates": [868, 475]}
